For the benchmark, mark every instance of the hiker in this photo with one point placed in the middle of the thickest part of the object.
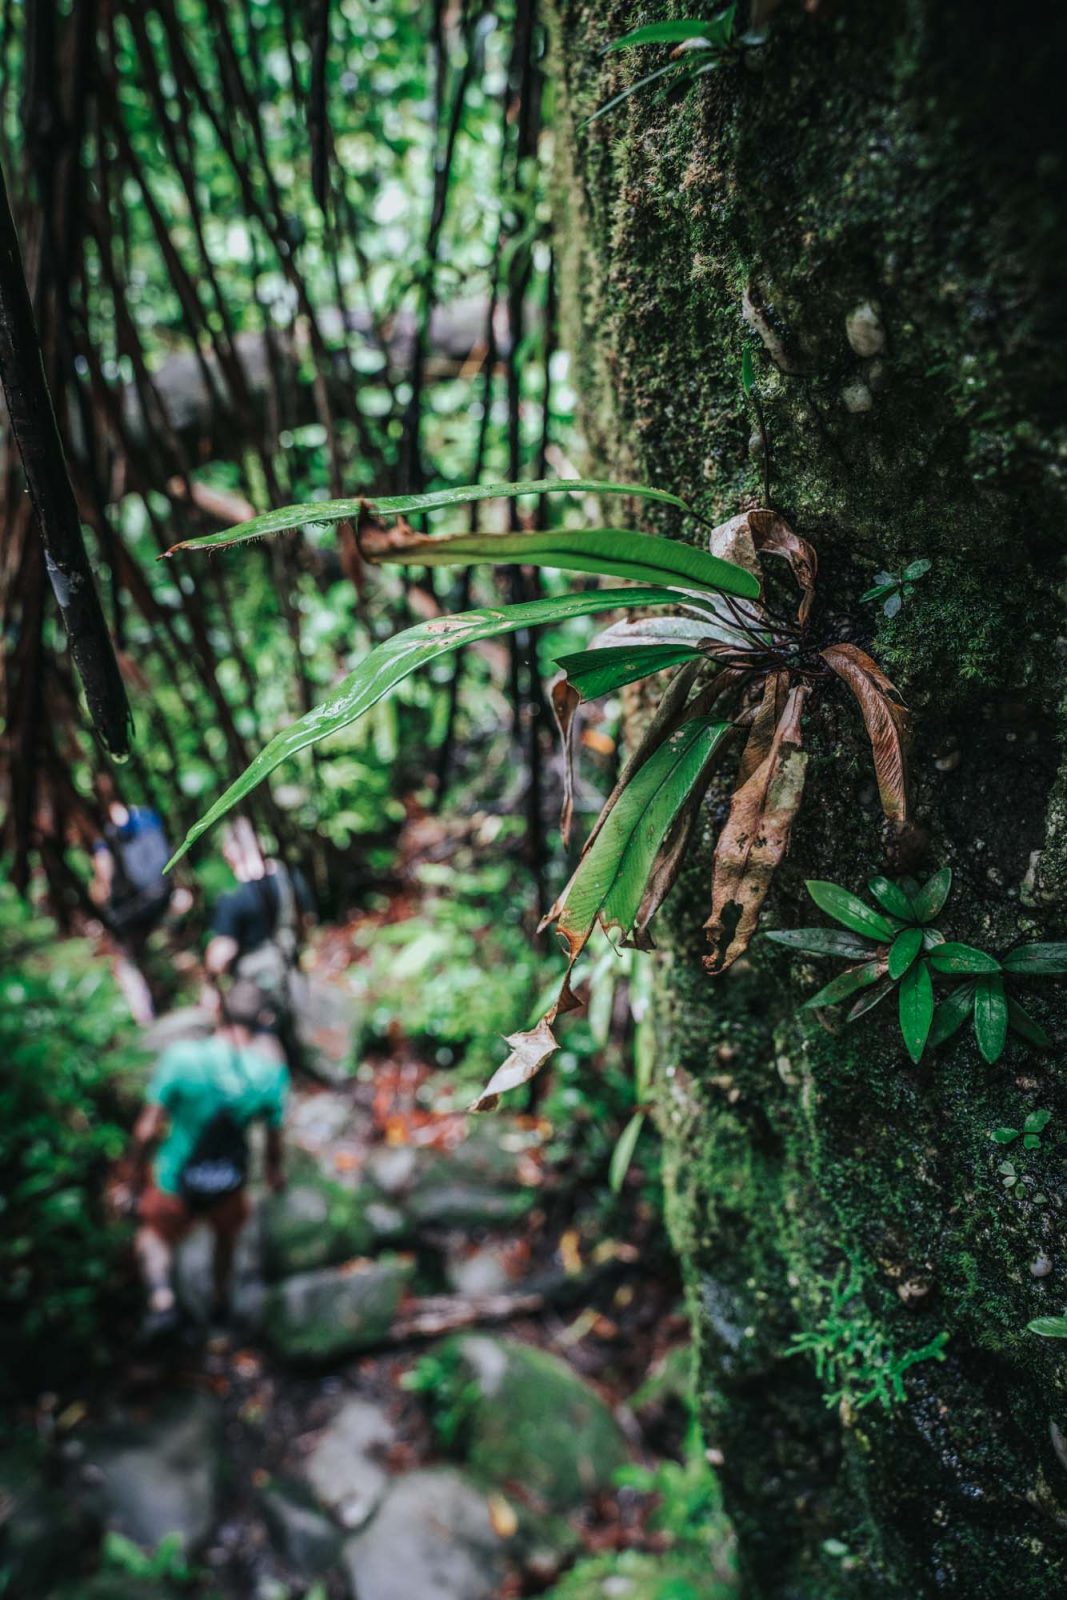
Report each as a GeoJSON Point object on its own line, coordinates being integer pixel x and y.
{"type": "Point", "coordinates": [190, 1147]}
{"type": "Point", "coordinates": [257, 927]}
{"type": "Point", "coordinates": [129, 887]}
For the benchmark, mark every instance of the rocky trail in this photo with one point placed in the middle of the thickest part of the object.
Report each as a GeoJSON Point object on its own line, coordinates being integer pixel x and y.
{"type": "Point", "coordinates": [440, 1360]}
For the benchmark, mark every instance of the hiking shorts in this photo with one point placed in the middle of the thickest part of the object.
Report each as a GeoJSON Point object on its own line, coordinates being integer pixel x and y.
{"type": "Point", "coordinates": [170, 1216]}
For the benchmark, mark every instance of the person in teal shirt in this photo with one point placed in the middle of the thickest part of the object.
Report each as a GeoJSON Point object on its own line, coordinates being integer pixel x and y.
{"type": "Point", "coordinates": [190, 1159]}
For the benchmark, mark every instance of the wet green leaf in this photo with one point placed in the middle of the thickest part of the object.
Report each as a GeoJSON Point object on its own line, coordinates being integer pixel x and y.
{"type": "Point", "coordinates": [846, 983]}
{"type": "Point", "coordinates": [951, 1014]}
{"type": "Point", "coordinates": [284, 519]}
{"type": "Point", "coordinates": [916, 1008]}
{"type": "Point", "coordinates": [393, 660]}
{"type": "Point", "coordinates": [958, 958]}
{"type": "Point", "coordinates": [823, 942]}
{"type": "Point", "coordinates": [615, 552]}
{"type": "Point", "coordinates": [717, 30]}
{"type": "Point", "coordinates": [748, 374]}
{"type": "Point", "coordinates": [904, 949]}
{"type": "Point", "coordinates": [1037, 1121]}
{"type": "Point", "coordinates": [1004, 1135]}
{"type": "Point", "coordinates": [1022, 1023]}
{"type": "Point", "coordinates": [873, 997]}
{"type": "Point", "coordinates": [623, 1153]}
{"type": "Point", "coordinates": [932, 896]}
{"type": "Point", "coordinates": [916, 569]}
{"type": "Point", "coordinates": [610, 879]}
{"type": "Point", "coordinates": [1037, 959]}
{"type": "Point", "coordinates": [892, 898]}
{"type": "Point", "coordinates": [991, 1017]}
{"type": "Point", "coordinates": [597, 672]}
{"type": "Point", "coordinates": [850, 910]}
{"type": "Point", "coordinates": [1048, 1327]}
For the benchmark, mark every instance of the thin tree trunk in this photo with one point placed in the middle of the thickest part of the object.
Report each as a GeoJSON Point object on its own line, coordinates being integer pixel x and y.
{"type": "Point", "coordinates": [869, 202]}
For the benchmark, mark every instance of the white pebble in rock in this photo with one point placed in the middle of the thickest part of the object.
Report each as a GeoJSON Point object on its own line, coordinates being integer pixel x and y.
{"type": "Point", "coordinates": [1040, 1267]}
{"type": "Point", "coordinates": [857, 396]}
{"type": "Point", "coordinates": [863, 325]}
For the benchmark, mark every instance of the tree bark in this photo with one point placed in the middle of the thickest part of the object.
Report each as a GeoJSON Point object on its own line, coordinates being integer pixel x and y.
{"type": "Point", "coordinates": [870, 200]}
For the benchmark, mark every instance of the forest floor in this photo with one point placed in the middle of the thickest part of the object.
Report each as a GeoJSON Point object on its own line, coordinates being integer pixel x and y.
{"type": "Point", "coordinates": [455, 1370]}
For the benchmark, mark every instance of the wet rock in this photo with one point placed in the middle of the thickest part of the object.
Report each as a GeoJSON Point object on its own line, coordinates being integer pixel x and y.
{"type": "Point", "coordinates": [479, 1184]}
{"type": "Point", "coordinates": [320, 1316]}
{"type": "Point", "coordinates": [301, 1533]}
{"type": "Point", "coordinates": [314, 1223]}
{"type": "Point", "coordinates": [528, 1418]}
{"type": "Point", "coordinates": [480, 1270]}
{"type": "Point", "coordinates": [344, 1469]}
{"type": "Point", "coordinates": [432, 1537]}
{"type": "Point", "coordinates": [162, 1475]}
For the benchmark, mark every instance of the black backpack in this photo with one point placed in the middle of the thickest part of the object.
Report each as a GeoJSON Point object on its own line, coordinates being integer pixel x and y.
{"type": "Point", "coordinates": [217, 1164]}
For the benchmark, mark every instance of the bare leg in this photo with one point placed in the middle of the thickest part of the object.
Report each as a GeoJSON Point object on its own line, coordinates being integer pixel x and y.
{"type": "Point", "coordinates": [155, 1258]}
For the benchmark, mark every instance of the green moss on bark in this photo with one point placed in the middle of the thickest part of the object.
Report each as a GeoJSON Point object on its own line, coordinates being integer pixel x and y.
{"type": "Point", "coordinates": [901, 157]}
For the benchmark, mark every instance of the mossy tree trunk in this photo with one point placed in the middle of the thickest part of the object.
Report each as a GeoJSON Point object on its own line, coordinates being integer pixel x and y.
{"type": "Point", "coordinates": [874, 201]}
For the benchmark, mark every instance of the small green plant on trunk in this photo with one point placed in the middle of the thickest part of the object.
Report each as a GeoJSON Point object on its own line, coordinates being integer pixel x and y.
{"type": "Point", "coordinates": [897, 946]}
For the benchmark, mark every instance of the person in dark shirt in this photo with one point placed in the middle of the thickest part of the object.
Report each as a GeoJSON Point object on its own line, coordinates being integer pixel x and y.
{"type": "Point", "coordinates": [257, 929]}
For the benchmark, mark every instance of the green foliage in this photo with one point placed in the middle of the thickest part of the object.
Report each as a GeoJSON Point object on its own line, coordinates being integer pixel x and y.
{"type": "Point", "coordinates": [701, 46]}
{"type": "Point", "coordinates": [1048, 1327]}
{"type": "Point", "coordinates": [893, 588]}
{"type": "Point", "coordinates": [456, 976]}
{"type": "Point", "coordinates": [166, 1563]}
{"type": "Point", "coordinates": [65, 1044]}
{"type": "Point", "coordinates": [450, 1392]}
{"type": "Point", "coordinates": [599, 672]}
{"type": "Point", "coordinates": [320, 513]}
{"type": "Point", "coordinates": [904, 947]}
{"type": "Point", "coordinates": [854, 1360]}
{"type": "Point", "coordinates": [395, 659]}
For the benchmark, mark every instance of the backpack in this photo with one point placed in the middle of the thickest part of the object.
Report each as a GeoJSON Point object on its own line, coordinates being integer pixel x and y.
{"type": "Point", "coordinates": [141, 852]}
{"type": "Point", "coordinates": [217, 1165]}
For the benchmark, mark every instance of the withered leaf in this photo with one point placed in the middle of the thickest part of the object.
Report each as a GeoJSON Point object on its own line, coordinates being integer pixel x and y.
{"type": "Point", "coordinates": [529, 1052]}
{"type": "Point", "coordinates": [773, 536]}
{"type": "Point", "coordinates": [565, 702]}
{"type": "Point", "coordinates": [755, 838]}
{"type": "Point", "coordinates": [886, 719]}
{"type": "Point", "coordinates": [761, 532]}
{"type": "Point", "coordinates": [761, 734]}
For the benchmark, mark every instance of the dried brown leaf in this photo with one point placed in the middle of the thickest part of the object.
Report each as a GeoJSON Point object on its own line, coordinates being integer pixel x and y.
{"type": "Point", "coordinates": [529, 1052]}
{"type": "Point", "coordinates": [764, 724]}
{"type": "Point", "coordinates": [565, 702]}
{"type": "Point", "coordinates": [755, 838]}
{"type": "Point", "coordinates": [773, 536]}
{"type": "Point", "coordinates": [887, 723]}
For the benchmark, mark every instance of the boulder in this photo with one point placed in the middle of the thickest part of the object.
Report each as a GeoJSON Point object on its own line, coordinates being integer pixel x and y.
{"type": "Point", "coordinates": [479, 1183]}
{"type": "Point", "coordinates": [432, 1539]}
{"type": "Point", "coordinates": [300, 1532]}
{"type": "Point", "coordinates": [314, 1223]}
{"type": "Point", "coordinates": [160, 1475]}
{"type": "Point", "coordinates": [525, 1417]}
{"type": "Point", "coordinates": [345, 1468]}
{"type": "Point", "coordinates": [325, 1315]}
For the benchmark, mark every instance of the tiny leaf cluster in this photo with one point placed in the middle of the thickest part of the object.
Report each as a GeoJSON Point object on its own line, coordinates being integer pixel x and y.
{"type": "Point", "coordinates": [893, 588]}
{"type": "Point", "coordinates": [897, 946]}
